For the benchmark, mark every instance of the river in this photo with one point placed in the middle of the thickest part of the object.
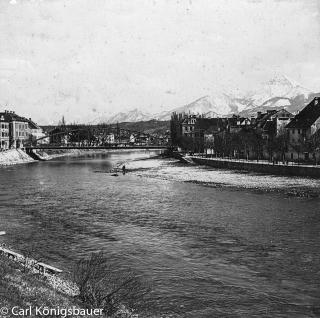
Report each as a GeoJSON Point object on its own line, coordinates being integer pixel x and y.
{"type": "Point", "coordinates": [213, 243]}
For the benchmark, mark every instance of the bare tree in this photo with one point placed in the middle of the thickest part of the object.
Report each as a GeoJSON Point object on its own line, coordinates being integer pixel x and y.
{"type": "Point", "coordinates": [106, 286]}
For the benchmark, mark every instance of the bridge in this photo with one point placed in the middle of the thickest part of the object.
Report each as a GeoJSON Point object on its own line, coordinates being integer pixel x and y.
{"type": "Point", "coordinates": [112, 146]}
{"type": "Point", "coordinates": [96, 137]}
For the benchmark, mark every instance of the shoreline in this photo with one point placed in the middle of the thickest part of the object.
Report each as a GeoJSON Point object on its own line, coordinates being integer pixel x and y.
{"type": "Point", "coordinates": [18, 156]}
{"type": "Point", "coordinates": [14, 156]}
{"type": "Point", "coordinates": [293, 189]}
{"type": "Point", "coordinates": [260, 167]}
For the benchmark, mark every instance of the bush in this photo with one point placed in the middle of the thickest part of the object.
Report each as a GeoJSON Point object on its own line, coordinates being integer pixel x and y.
{"type": "Point", "coordinates": [102, 285]}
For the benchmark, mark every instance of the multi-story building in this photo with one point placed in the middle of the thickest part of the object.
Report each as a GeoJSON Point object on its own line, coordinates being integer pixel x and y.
{"type": "Point", "coordinates": [301, 129]}
{"type": "Point", "coordinates": [110, 138]}
{"type": "Point", "coordinates": [282, 118]}
{"type": "Point", "coordinates": [35, 130]}
{"type": "Point", "coordinates": [4, 133]}
{"type": "Point", "coordinates": [274, 123]}
{"type": "Point", "coordinates": [188, 126]}
{"type": "Point", "coordinates": [18, 128]}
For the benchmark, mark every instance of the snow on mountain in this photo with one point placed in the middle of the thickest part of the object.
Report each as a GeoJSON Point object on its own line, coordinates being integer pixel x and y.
{"type": "Point", "coordinates": [277, 93]}
{"type": "Point", "coordinates": [131, 116]}
{"type": "Point", "coordinates": [212, 106]}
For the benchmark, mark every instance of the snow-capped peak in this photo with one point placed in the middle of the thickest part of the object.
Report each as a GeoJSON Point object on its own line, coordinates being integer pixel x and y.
{"type": "Point", "coordinates": [131, 116]}
{"type": "Point", "coordinates": [278, 92]}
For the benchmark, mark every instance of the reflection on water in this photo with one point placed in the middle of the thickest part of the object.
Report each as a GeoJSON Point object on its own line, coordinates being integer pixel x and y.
{"type": "Point", "coordinates": [209, 252]}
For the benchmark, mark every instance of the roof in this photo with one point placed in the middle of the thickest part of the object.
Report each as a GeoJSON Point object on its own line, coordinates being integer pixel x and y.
{"type": "Point", "coordinates": [262, 118]}
{"type": "Point", "coordinates": [283, 113]}
{"type": "Point", "coordinates": [269, 126]}
{"type": "Point", "coordinates": [213, 123]}
{"type": "Point", "coordinates": [33, 125]}
{"type": "Point", "coordinates": [239, 121]}
{"type": "Point", "coordinates": [307, 115]}
{"type": "Point", "coordinates": [10, 116]}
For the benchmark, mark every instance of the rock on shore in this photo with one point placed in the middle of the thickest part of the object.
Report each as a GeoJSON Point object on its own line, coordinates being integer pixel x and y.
{"type": "Point", "coordinates": [14, 156]}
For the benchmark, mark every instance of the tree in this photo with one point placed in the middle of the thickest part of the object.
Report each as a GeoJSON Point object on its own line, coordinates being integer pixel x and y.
{"type": "Point", "coordinates": [107, 286]}
{"type": "Point", "coordinates": [186, 143]}
{"type": "Point", "coordinates": [281, 142]}
{"type": "Point", "coordinates": [221, 143]}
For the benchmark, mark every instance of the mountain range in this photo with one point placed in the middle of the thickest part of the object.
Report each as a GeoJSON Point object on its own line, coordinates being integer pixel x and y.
{"type": "Point", "coordinates": [277, 93]}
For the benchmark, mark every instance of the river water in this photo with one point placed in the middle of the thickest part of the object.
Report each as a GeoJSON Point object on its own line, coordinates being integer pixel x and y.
{"type": "Point", "coordinates": [213, 243]}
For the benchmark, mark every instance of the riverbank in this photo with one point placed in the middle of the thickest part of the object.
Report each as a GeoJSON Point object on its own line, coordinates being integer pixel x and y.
{"type": "Point", "coordinates": [26, 292]}
{"type": "Point", "coordinates": [22, 288]}
{"type": "Point", "coordinates": [260, 167]}
{"type": "Point", "coordinates": [19, 156]}
{"type": "Point", "coordinates": [14, 156]}
{"type": "Point", "coordinates": [226, 179]}
{"type": "Point", "coordinates": [50, 154]}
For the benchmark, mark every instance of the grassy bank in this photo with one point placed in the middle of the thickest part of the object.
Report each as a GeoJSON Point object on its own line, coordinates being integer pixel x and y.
{"type": "Point", "coordinates": [21, 287]}
{"type": "Point", "coordinates": [100, 288]}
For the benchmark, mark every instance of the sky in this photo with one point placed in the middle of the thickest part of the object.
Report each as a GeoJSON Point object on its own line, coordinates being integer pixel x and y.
{"type": "Point", "coordinates": [90, 58]}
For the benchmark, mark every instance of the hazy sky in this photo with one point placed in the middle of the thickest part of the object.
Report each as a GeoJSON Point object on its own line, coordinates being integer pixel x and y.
{"type": "Point", "coordinates": [82, 58]}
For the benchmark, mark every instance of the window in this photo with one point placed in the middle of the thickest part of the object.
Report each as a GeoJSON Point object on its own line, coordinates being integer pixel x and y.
{"type": "Point", "coordinates": [298, 131]}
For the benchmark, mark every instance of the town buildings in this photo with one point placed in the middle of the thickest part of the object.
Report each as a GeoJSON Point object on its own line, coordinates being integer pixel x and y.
{"type": "Point", "coordinates": [303, 133]}
{"type": "Point", "coordinates": [272, 135]}
{"type": "Point", "coordinates": [110, 138]}
{"type": "Point", "coordinates": [4, 133]}
{"type": "Point", "coordinates": [36, 132]}
{"type": "Point", "coordinates": [16, 131]}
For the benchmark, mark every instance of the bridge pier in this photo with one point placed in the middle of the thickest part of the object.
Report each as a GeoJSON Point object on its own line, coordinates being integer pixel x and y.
{"type": "Point", "coordinates": [33, 155]}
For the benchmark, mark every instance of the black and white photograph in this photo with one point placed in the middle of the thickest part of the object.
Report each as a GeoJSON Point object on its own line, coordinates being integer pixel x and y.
{"type": "Point", "coordinates": [160, 158]}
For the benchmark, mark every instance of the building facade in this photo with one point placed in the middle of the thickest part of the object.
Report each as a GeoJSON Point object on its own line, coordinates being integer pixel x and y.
{"type": "Point", "coordinates": [4, 133]}
{"type": "Point", "coordinates": [301, 130]}
{"type": "Point", "coordinates": [18, 129]}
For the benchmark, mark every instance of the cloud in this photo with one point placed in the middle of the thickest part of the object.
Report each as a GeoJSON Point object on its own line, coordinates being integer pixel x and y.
{"type": "Point", "coordinates": [78, 55]}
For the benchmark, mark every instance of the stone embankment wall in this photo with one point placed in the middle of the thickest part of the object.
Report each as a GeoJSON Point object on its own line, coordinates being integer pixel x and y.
{"type": "Point", "coordinates": [14, 156]}
{"type": "Point", "coordinates": [279, 169]}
